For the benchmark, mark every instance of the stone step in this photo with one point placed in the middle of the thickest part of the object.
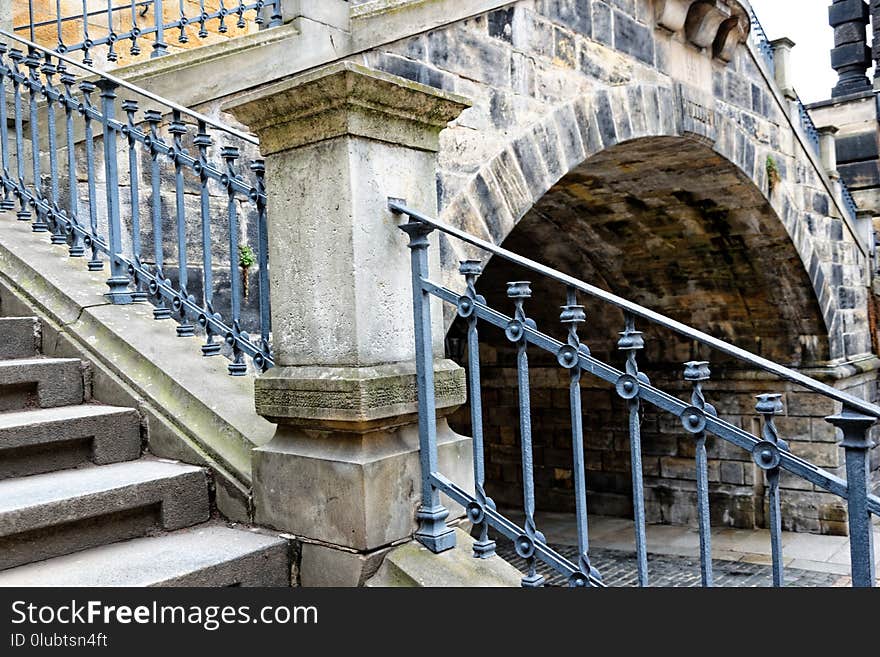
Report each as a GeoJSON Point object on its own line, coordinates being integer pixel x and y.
{"type": "Point", "coordinates": [200, 556]}
{"type": "Point", "coordinates": [48, 515]}
{"type": "Point", "coordinates": [50, 439]}
{"type": "Point", "coordinates": [19, 337]}
{"type": "Point", "coordinates": [40, 382]}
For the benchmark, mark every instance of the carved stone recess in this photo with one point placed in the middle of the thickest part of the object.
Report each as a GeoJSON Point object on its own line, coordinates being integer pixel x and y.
{"type": "Point", "coordinates": [714, 25]}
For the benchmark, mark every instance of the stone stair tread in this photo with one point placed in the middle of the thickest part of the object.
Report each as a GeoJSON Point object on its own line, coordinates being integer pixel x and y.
{"type": "Point", "coordinates": [13, 419]}
{"type": "Point", "coordinates": [20, 337]}
{"type": "Point", "coordinates": [23, 493]}
{"type": "Point", "coordinates": [188, 557]}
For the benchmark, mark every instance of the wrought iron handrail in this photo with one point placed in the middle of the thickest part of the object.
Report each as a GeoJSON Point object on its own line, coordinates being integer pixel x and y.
{"type": "Point", "coordinates": [165, 103]}
{"type": "Point", "coordinates": [138, 29]}
{"type": "Point", "coordinates": [751, 359]}
{"type": "Point", "coordinates": [95, 223]}
{"type": "Point", "coordinates": [762, 42]}
{"type": "Point", "coordinates": [698, 417]}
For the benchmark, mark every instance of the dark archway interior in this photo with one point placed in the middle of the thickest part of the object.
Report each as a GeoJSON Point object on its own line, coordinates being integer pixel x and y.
{"type": "Point", "coordinates": [672, 225]}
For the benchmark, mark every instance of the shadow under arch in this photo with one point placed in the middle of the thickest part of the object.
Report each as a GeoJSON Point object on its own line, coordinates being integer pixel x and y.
{"type": "Point", "coordinates": [670, 223]}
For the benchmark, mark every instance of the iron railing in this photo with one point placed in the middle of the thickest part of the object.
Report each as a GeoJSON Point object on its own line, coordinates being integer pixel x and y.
{"type": "Point", "coordinates": [138, 20]}
{"type": "Point", "coordinates": [762, 43]}
{"type": "Point", "coordinates": [52, 174]}
{"type": "Point", "coordinates": [698, 417]}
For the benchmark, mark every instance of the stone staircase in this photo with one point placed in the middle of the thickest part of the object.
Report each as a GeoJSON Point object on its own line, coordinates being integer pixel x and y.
{"type": "Point", "coordinates": [82, 505]}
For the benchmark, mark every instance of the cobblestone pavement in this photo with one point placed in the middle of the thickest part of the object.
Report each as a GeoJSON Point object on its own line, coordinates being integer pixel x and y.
{"type": "Point", "coordinates": [619, 569]}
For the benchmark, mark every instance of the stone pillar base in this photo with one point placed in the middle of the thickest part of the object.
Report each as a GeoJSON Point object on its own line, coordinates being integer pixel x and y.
{"type": "Point", "coordinates": [359, 491]}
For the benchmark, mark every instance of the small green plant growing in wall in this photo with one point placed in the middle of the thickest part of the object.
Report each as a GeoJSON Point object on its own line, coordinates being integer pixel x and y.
{"type": "Point", "coordinates": [773, 177]}
{"type": "Point", "coordinates": [246, 259]}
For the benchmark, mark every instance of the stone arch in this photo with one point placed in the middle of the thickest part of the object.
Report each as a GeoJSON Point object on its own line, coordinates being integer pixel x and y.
{"type": "Point", "coordinates": [537, 159]}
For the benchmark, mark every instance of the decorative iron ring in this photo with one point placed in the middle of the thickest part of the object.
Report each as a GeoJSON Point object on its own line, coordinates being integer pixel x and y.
{"type": "Point", "coordinates": [514, 330]}
{"type": "Point", "coordinates": [627, 386]}
{"type": "Point", "coordinates": [203, 320]}
{"type": "Point", "coordinates": [693, 419]}
{"type": "Point", "coordinates": [524, 546]}
{"type": "Point", "coordinates": [259, 361]}
{"type": "Point", "coordinates": [224, 180]}
{"type": "Point", "coordinates": [88, 43]}
{"type": "Point", "coordinates": [61, 48]}
{"type": "Point", "coordinates": [230, 338]}
{"type": "Point", "coordinates": [568, 357]}
{"type": "Point", "coordinates": [766, 455]}
{"type": "Point", "coordinates": [476, 513]}
{"type": "Point", "coordinates": [253, 194]}
{"type": "Point", "coordinates": [87, 240]}
{"type": "Point", "coordinates": [465, 306]}
{"type": "Point", "coordinates": [112, 37]}
{"type": "Point", "coordinates": [154, 287]}
{"type": "Point", "coordinates": [136, 32]}
{"type": "Point", "coordinates": [177, 303]}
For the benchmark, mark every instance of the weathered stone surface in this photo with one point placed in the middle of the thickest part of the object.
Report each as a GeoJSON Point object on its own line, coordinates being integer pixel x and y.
{"type": "Point", "coordinates": [359, 491]}
{"type": "Point", "coordinates": [412, 565]}
{"type": "Point", "coordinates": [352, 399]}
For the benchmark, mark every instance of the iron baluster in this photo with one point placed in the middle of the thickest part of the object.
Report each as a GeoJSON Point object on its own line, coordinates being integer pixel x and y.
{"type": "Point", "coordinates": [237, 367]}
{"type": "Point", "coordinates": [119, 280]}
{"type": "Point", "coordinates": [34, 85]}
{"type": "Point", "coordinates": [515, 331]}
{"type": "Point", "coordinates": [135, 49]}
{"type": "Point", "coordinates": [259, 169]}
{"type": "Point", "coordinates": [76, 249]}
{"type": "Point", "coordinates": [694, 420]}
{"type": "Point", "coordinates": [87, 41]}
{"type": "Point", "coordinates": [111, 34]}
{"type": "Point", "coordinates": [95, 264]}
{"type": "Point", "coordinates": [159, 46]}
{"type": "Point", "coordinates": [203, 19]}
{"type": "Point", "coordinates": [627, 387]}
{"type": "Point", "coordinates": [61, 47]}
{"type": "Point", "coordinates": [857, 444]}
{"type": "Point", "coordinates": [476, 511]}
{"type": "Point", "coordinates": [432, 532]}
{"type": "Point", "coordinates": [6, 203]}
{"type": "Point", "coordinates": [177, 128]}
{"type": "Point", "coordinates": [16, 57]}
{"type": "Point", "coordinates": [223, 12]}
{"type": "Point", "coordinates": [182, 23]}
{"type": "Point", "coordinates": [203, 141]}
{"type": "Point", "coordinates": [50, 93]}
{"type": "Point", "coordinates": [240, 24]}
{"type": "Point", "coordinates": [569, 357]}
{"type": "Point", "coordinates": [130, 107]}
{"type": "Point", "coordinates": [153, 118]}
{"type": "Point", "coordinates": [766, 455]}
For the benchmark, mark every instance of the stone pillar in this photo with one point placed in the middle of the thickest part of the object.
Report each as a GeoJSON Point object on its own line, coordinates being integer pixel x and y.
{"type": "Point", "coordinates": [334, 13]}
{"type": "Point", "coordinates": [342, 471]}
{"type": "Point", "coordinates": [851, 56]}
{"type": "Point", "coordinates": [782, 66]}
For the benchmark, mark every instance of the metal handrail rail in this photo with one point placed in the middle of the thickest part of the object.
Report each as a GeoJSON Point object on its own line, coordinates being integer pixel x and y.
{"type": "Point", "coordinates": [169, 104]}
{"type": "Point", "coordinates": [854, 403]}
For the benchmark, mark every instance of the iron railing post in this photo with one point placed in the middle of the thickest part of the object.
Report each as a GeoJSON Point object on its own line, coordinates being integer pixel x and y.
{"type": "Point", "coordinates": [483, 546]}
{"type": "Point", "coordinates": [631, 342]}
{"type": "Point", "coordinates": [694, 421]}
{"type": "Point", "coordinates": [432, 532]}
{"type": "Point", "coordinates": [159, 46]}
{"type": "Point", "coordinates": [766, 455]}
{"type": "Point", "coordinates": [857, 444]}
{"type": "Point", "coordinates": [119, 280]}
